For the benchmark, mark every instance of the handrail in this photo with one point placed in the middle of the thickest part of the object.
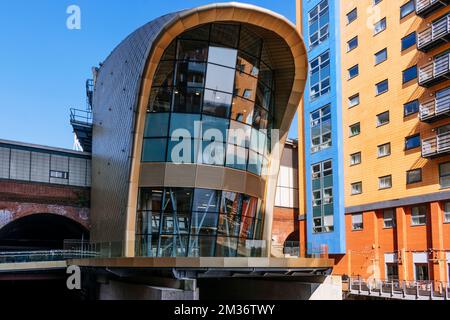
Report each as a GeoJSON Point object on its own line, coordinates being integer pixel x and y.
{"type": "Point", "coordinates": [436, 145]}
{"type": "Point", "coordinates": [438, 67]}
{"type": "Point", "coordinates": [421, 5]}
{"type": "Point", "coordinates": [435, 107]}
{"type": "Point", "coordinates": [81, 117]}
{"type": "Point", "coordinates": [437, 30]}
{"type": "Point", "coordinates": [41, 256]}
{"type": "Point", "coordinates": [426, 289]}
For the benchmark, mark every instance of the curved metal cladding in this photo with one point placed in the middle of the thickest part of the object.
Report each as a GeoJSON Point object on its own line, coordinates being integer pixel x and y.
{"type": "Point", "coordinates": [193, 208]}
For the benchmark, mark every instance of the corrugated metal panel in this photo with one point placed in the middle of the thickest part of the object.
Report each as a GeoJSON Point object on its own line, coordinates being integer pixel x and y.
{"type": "Point", "coordinates": [115, 102]}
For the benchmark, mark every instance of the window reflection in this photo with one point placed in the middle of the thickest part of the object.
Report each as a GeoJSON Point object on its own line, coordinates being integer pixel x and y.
{"type": "Point", "coordinates": [191, 74]}
{"type": "Point", "coordinates": [160, 99]}
{"type": "Point", "coordinates": [178, 222]}
{"type": "Point", "coordinates": [220, 78]}
{"type": "Point", "coordinates": [192, 50]}
{"type": "Point", "coordinates": [204, 73]}
{"type": "Point", "coordinates": [222, 56]}
{"type": "Point", "coordinates": [188, 100]}
{"type": "Point", "coordinates": [217, 103]}
{"type": "Point", "coordinates": [242, 110]}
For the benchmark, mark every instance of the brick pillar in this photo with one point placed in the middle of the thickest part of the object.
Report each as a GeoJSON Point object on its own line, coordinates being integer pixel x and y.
{"type": "Point", "coordinates": [402, 244]}
{"type": "Point", "coordinates": [438, 256]}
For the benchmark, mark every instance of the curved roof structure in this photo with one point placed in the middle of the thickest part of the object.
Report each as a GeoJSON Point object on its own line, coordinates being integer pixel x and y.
{"type": "Point", "coordinates": [123, 87]}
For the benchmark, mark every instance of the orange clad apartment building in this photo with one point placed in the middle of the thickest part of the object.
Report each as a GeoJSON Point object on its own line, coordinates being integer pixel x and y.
{"type": "Point", "coordinates": [388, 136]}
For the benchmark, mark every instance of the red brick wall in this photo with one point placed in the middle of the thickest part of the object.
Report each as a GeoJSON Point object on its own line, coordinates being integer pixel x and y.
{"type": "Point", "coordinates": [285, 223]}
{"type": "Point", "coordinates": [21, 199]}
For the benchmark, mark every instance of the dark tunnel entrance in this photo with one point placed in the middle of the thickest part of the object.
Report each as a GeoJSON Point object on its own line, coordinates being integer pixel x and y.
{"type": "Point", "coordinates": [40, 232]}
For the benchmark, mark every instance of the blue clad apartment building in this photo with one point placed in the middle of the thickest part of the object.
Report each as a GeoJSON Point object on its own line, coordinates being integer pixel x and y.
{"type": "Point", "coordinates": [319, 21]}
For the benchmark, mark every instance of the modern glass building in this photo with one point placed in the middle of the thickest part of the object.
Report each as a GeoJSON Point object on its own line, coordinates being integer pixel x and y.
{"type": "Point", "coordinates": [191, 113]}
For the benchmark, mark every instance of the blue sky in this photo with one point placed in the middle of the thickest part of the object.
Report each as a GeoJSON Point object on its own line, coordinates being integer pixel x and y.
{"type": "Point", "coordinates": [44, 65]}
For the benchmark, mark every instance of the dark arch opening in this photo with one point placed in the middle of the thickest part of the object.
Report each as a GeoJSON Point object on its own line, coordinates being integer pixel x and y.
{"type": "Point", "coordinates": [40, 232]}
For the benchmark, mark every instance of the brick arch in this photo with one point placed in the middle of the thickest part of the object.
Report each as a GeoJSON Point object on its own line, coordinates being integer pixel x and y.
{"type": "Point", "coordinates": [12, 211]}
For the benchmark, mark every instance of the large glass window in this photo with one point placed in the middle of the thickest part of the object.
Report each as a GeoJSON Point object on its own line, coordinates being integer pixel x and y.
{"type": "Point", "coordinates": [322, 197]}
{"type": "Point", "coordinates": [320, 75]}
{"type": "Point", "coordinates": [184, 222]}
{"type": "Point", "coordinates": [321, 129]}
{"type": "Point", "coordinates": [319, 19]}
{"type": "Point", "coordinates": [210, 80]}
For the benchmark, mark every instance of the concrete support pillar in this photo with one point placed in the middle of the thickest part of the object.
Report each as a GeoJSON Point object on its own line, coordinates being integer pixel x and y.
{"type": "Point", "coordinates": [402, 244]}
{"type": "Point", "coordinates": [438, 256]}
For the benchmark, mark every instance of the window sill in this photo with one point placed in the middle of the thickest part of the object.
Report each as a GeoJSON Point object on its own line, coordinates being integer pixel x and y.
{"type": "Point", "coordinates": [381, 157]}
{"type": "Point", "coordinates": [418, 225]}
{"type": "Point", "coordinates": [381, 93]}
{"type": "Point", "coordinates": [381, 189]}
{"type": "Point", "coordinates": [383, 124]}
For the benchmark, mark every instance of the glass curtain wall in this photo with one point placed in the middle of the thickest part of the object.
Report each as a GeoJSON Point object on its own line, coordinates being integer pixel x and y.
{"type": "Point", "coordinates": [211, 79]}
{"type": "Point", "coordinates": [183, 222]}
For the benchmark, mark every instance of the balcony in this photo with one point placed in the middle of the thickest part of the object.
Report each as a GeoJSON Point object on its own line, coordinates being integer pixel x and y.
{"type": "Point", "coordinates": [437, 34]}
{"type": "Point", "coordinates": [82, 123]}
{"type": "Point", "coordinates": [435, 109]}
{"type": "Point", "coordinates": [426, 7]}
{"type": "Point", "coordinates": [436, 146]}
{"type": "Point", "coordinates": [435, 71]}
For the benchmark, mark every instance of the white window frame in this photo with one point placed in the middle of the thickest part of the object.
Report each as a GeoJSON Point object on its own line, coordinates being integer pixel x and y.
{"type": "Point", "coordinates": [417, 215]}
{"type": "Point", "coordinates": [357, 222]}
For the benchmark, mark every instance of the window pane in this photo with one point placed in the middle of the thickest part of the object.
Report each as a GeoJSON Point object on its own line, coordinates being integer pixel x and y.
{"type": "Point", "coordinates": [407, 8]}
{"type": "Point", "coordinates": [217, 103]}
{"type": "Point", "coordinates": [190, 74]}
{"type": "Point", "coordinates": [164, 74]}
{"type": "Point", "coordinates": [214, 129]}
{"type": "Point", "coordinates": [184, 125]}
{"type": "Point", "coordinates": [409, 41]}
{"type": "Point", "coordinates": [223, 56]}
{"type": "Point", "coordinates": [242, 110]}
{"type": "Point", "coordinates": [411, 108]}
{"type": "Point", "coordinates": [188, 100]}
{"type": "Point", "coordinates": [157, 125]}
{"type": "Point", "coordinates": [381, 56]}
{"type": "Point", "coordinates": [382, 87]}
{"type": "Point", "coordinates": [206, 201]}
{"type": "Point", "coordinates": [413, 142]}
{"type": "Point", "coordinates": [192, 50]}
{"type": "Point", "coordinates": [220, 78]}
{"type": "Point", "coordinates": [410, 74]}
{"type": "Point", "coordinates": [154, 150]}
{"type": "Point", "coordinates": [160, 99]}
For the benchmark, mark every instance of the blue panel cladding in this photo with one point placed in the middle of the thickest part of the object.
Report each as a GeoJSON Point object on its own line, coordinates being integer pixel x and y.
{"type": "Point", "coordinates": [336, 240]}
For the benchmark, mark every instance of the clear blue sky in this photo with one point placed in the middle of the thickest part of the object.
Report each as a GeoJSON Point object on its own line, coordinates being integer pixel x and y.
{"type": "Point", "coordinates": [44, 65]}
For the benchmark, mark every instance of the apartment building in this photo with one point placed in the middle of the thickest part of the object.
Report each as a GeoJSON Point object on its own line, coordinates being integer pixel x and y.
{"type": "Point", "coordinates": [389, 87]}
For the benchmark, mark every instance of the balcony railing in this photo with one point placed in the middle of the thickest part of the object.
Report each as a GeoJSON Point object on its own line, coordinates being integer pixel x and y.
{"type": "Point", "coordinates": [438, 33]}
{"type": "Point", "coordinates": [436, 146]}
{"type": "Point", "coordinates": [394, 289]}
{"type": "Point", "coordinates": [435, 71]}
{"type": "Point", "coordinates": [435, 109]}
{"type": "Point", "coordinates": [425, 7]}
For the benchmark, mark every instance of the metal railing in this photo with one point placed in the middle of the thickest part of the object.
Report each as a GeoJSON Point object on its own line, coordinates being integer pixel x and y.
{"type": "Point", "coordinates": [81, 117]}
{"type": "Point", "coordinates": [435, 107]}
{"type": "Point", "coordinates": [437, 30]}
{"type": "Point", "coordinates": [438, 67]}
{"type": "Point", "coordinates": [436, 145]}
{"type": "Point", "coordinates": [423, 5]}
{"type": "Point", "coordinates": [44, 256]}
{"type": "Point", "coordinates": [293, 249]}
{"type": "Point", "coordinates": [395, 289]}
